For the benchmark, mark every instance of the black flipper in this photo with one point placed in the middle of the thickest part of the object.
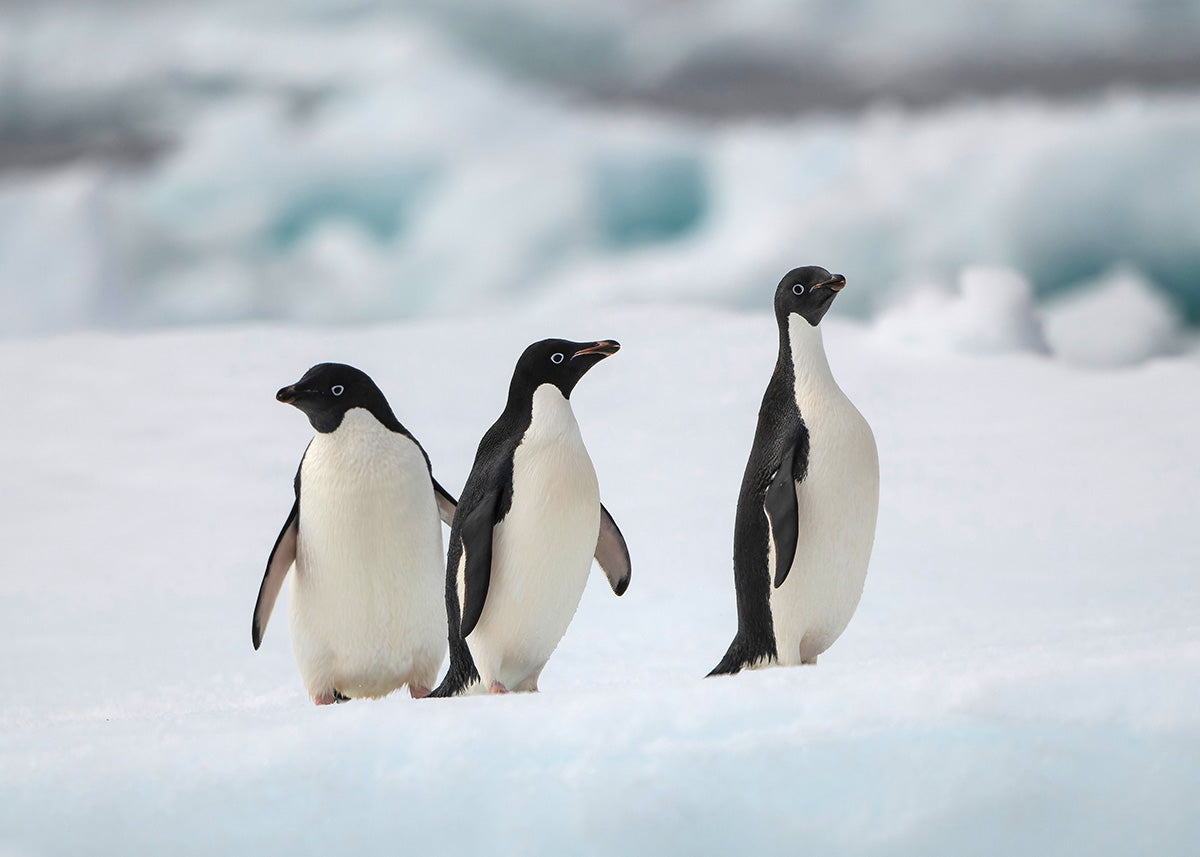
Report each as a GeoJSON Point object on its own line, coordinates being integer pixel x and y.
{"type": "Point", "coordinates": [445, 502]}
{"type": "Point", "coordinates": [283, 554]}
{"type": "Point", "coordinates": [783, 513]}
{"type": "Point", "coordinates": [278, 564]}
{"type": "Point", "coordinates": [477, 545]}
{"type": "Point", "coordinates": [612, 553]}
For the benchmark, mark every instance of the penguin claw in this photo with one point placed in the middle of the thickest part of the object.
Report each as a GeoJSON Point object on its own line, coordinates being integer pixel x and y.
{"type": "Point", "coordinates": [330, 698]}
{"type": "Point", "coordinates": [496, 687]}
{"type": "Point", "coordinates": [418, 691]}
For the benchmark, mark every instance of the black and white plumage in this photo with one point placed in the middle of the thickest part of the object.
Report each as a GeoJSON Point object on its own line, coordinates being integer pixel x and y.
{"type": "Point", "coordinates": [365, 537]}
{"type": "Point", "coordinates": [527, 527]}
{"type": "Point", "coordinates": [809, 498]}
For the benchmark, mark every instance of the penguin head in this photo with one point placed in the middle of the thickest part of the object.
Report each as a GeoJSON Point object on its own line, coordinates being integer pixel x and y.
{"type": "Point", "coordinates": [328, 390]}
{"type": "Point", "coordinates": [559, 362]}
{"type": "Point", "coordinates": [807, 292]}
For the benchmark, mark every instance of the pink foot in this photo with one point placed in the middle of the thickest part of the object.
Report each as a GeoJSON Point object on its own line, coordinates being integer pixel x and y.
{"type": "Point", "coordinates": [497, 687]}
{"type": "Point", "coordinates": [418, 691]}
{"type": "Point", "coordinates": [329, 698]}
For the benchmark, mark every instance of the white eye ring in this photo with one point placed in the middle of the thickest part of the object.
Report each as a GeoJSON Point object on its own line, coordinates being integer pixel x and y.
{"type": "Point", "coordinates": [338, 389]}
{"type": "Point", "coordinates": [798, 289]}
{"type": "Point", "coordinates": [557, 358]}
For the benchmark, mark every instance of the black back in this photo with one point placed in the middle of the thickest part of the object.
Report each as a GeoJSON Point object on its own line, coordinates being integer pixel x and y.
{"type": "Point", "coordinates": [781, 443]}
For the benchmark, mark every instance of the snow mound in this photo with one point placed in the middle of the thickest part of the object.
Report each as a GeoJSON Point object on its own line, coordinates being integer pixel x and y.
{"type": "Point", "coordinates": [1119, 319]}
{"type": "Point", "coordinates": [1020, 677]}
{"type": "Point", "coordinates": [991, 312]}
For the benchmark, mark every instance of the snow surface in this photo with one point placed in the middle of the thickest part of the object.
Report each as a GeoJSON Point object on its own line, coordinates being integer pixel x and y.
{"type": "Point", "coordinates": [1117, 320]}
{"type": "Point", "coordinates": [1021, 677]}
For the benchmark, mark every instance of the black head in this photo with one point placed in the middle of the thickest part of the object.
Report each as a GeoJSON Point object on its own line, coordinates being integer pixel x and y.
{"type": "Point", "coordinates": [808, 292]}
{"type": "Point", "coordinates": [328, 390]}
{"type": "Point", "coordinates": [559, 362]}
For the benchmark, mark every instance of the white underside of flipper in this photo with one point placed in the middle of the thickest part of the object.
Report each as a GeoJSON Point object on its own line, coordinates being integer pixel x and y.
{"type": "Point", "coordinates": [838, 504]}
{"type": "Point", "coordinates": [542, 550]}
{"type": "Point", "coordinates": [367, 594]}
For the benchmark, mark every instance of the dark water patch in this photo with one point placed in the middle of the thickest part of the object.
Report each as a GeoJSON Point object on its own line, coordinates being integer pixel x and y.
{"type": "Point", "coordinates": [381, 207]}
{"type": "Point", "coordinates": [648, 198]}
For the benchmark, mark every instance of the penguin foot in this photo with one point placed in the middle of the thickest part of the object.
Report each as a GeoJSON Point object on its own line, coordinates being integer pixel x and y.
{"type": "Point", "coordinates": [418, 691]}
{"type": "Point", "coordinates": [330, 698]}
{"type": "Point", "coordinates": [497, 687]}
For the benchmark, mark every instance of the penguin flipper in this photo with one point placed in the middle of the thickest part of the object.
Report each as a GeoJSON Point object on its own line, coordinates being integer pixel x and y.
{"type": "Point", "coordinates": [477, 545]}
{"type": "Point", "coordinates": [612, 554]}
{"type": "Point", "coordinates": [278, 564]}
{"type": "Point", "coordinates": [445, 502]}
{"type": "Point", "coordinates": [783, 513]}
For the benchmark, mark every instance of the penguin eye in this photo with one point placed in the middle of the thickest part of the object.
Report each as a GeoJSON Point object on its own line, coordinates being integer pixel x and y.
{"type": "Point", "coordinates": [798, 289]}
{"type": "Point", "coordinates": [338, 389]}
{"type": "Point", "coordinates": [557, 358]}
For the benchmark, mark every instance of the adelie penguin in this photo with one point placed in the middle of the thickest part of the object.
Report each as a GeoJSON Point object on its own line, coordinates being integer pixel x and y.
{"type": "Point", "coordinates": [807, 507]}
{"type": "Point", "coordinates": [527, 527]}
{"type": "Point", "coordinates": [365, 537]}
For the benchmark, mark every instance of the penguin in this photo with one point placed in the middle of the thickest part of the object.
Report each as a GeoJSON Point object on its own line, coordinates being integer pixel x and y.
{"type": "Point", "coordinates": [807, 508]}
{"type": "Point", "coordinates": [366, 541]}
{"type": "Point", "coordinates": [528, 525]}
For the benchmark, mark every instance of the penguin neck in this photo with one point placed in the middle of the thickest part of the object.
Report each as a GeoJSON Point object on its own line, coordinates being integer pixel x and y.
{"type": "Point", "coordinates": [551, 416]}
{"type": "Point", "coordinates": [546, 412]}
{"type": "Point", "coordinates": [801, 345]}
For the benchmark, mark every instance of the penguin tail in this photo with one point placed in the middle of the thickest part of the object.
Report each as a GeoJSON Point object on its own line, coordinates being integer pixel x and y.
{"type": "Point", "coordinates": [461, 675]}
{"type": "Point", "coordinates": [445, 690]}
{"type": "Point", "coordinates": [742, 656]}
{"type": "Point", "coordinates": [731, 664]}
{"type": "Point", "coordinates": [453, 685]}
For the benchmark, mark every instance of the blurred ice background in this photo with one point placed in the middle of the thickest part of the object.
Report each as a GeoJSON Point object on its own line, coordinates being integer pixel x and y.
{"type": "Point", "coordinates": [340, 161]}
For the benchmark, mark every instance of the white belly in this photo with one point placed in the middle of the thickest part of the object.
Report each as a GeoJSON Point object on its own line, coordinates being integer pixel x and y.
{"type": "Point", "coordinates": [838, 503]}
{"type": "Point", "coordinates": [367, 609]}
{"type": "Point", "coordinates": [542, 550]}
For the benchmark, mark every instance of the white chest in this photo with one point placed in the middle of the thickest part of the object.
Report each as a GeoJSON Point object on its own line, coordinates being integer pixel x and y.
{"type": "Point", "coordinates": [837, 505]}
{"type": "Point", "coordinates": [367, 611]}
{"type": "Point", "coordinates": [359, 486]}
{"type": "Point", "coordinates": [553, 476]}
{"type": "Point", "coordinates": [543, 549]}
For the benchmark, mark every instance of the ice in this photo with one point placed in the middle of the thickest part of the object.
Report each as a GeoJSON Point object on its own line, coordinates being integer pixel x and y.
{"type": "Point", "coordinates": [991, 311]}
{"type": "Point", "coordinates": [1020, 676]}
{"type": "Point", "coordinates": [339, 166]}
{"type": "Point", "coordinates": [1118, 320]}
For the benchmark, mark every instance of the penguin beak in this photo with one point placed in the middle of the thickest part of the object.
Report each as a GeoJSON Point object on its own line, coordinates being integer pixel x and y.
{"type": "Point", "coordinates": [604, 348]}
{"type": "Point", "coordinates": [837, 282]}
{"type": "Point", "coordinates": [289, 395]}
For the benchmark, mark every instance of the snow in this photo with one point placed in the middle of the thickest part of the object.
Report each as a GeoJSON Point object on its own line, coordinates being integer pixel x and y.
{"type": "Point", "coordinates": [1021, 676]}
{"type": "Point", "coordinates": [991, 311]}
{"type": "Point", "coordinates": [1119, 319]}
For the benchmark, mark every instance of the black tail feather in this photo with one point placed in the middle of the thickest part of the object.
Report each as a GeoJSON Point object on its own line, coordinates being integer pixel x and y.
{"type": "Point", "coordinates": [742, 655]}
{"type": "Point", "coordinates": [461, 675]}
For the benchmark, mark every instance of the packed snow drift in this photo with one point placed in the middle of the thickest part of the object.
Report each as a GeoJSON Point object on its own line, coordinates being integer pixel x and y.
{"type": "Point", "coordinates": [1020, 676]}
